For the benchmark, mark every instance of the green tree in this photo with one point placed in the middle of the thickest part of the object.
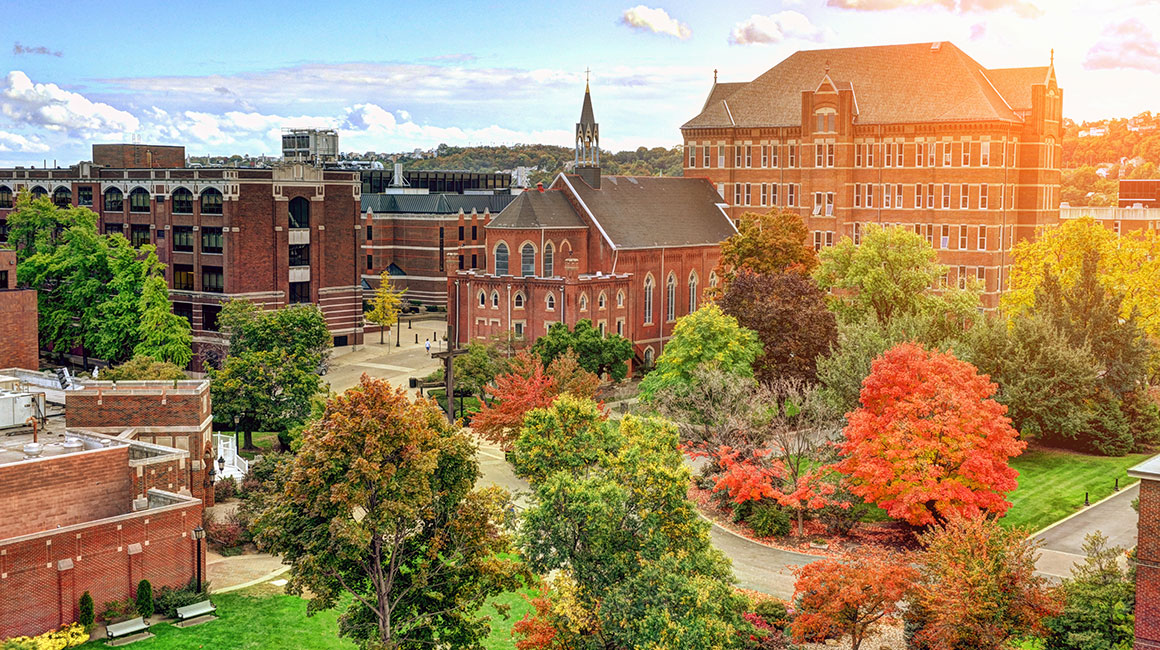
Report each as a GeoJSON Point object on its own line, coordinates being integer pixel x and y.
{"type": "Point", "coordinates": [477, 369]}
{"type": "Point", "coordinates": [163, 334]}
{"type": "Point", "coordinates": [35, 226]}
{"type": "Point", "coordinates": [378, 507]}
{"type": "Point", "coordinates": [706, 336]}
{"type": "Point", "coordinates": [86, 614]}
{"type": "Point", "coordinates": [141, 368]}
{"type": "Point", "coordinates": [597, 354]}
{"type": "Point", "coordinates": [893, 272]}
{"type": "Point", "coordinates": [263, 390]}
{"type": "Point", "coordinates": [385, 305]}
{"type": "Point", "coordinates": [145, 599]}
{"type": "Point", "coordinates": [1099, 601]}
{"type": "Point", "coordinates": [571, 435]}
{"type": "Point", "coordinates": [300, 330]}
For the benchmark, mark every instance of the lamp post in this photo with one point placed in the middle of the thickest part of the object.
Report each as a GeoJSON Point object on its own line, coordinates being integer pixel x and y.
{"type": "Point", "coordinates": [222, 465]}
{"type": "Point", "coordinates": [199, 534]}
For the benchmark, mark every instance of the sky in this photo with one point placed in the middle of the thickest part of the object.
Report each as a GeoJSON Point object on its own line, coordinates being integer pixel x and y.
{"type": "Point", "coordinates": [226, 77]}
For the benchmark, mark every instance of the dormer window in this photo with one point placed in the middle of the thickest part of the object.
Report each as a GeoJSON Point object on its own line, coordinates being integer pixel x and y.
{"type": "Point", "coordinates": [826, 121]}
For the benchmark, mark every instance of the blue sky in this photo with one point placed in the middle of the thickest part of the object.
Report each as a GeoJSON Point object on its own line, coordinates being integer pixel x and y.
{"type": "Point", "coordinates": [226, 76]}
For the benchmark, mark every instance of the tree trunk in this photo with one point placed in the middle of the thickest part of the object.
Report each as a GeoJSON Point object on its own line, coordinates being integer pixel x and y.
{"type": "Point", "coordinates": [248, 445]}
{"type": "Point", "coordinates": [801, 524]}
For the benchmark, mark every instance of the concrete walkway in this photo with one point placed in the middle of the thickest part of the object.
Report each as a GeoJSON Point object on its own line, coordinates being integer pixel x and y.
{"type": "Point", "coordinates": [1063, 541]}
{"type": "Point", "coordinates": [395, 364]}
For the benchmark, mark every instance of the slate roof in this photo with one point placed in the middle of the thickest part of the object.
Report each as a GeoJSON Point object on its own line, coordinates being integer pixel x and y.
{"type": "Point", "coordinates": [586, 116]}
{"type": "Point", "coordinates": [434, 203]}
{"type": "Point", "coordinates": [533, 209]}
{"type": "Point", "coordinates": [653, 211]}
{"type": "Point", "coordinates": [892, 84]}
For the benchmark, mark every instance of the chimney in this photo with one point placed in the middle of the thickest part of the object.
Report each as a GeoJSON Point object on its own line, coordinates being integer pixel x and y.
{"type": "Point", "coordinates": [590, 174]}
{"type": "Point", "coordinates": [572, 269]}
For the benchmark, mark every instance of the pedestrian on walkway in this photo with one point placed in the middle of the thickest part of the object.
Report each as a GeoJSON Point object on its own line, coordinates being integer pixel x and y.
{"type": "Point", "coordinates": [428, 346]}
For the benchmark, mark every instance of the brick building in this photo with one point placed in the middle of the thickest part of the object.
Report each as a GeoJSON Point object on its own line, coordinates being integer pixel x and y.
{"type": "Point", "coordinates": [1148, 556]}
{"type": "Point", "coordinates": [919, 135]}
{"type": "Point", "coordinates": [408, 235]}
{"type": "Point", "coordinates": [19, 345]}
{"type": "Point", "coordinates": [272, 236]}
{"type": "Point", "coordinates": [1138, 209]}
{"type": "Point", "coordinates": [139, 156]}
{"type": "Point", "coordinates": [112, 500]}
{"type": "Point", "coordinates": [631, 254]}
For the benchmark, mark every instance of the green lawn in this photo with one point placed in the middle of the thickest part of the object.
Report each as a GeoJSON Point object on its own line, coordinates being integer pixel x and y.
{"type": "Point", "coordinates": [1052, 483]}
{"type": "Point", "coordinates": [279, 622]}
{"type": "Point", "coordinates": [265, 441]}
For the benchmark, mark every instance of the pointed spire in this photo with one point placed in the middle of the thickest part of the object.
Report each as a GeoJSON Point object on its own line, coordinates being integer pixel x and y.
{"type": "Point", "coordinates": [589, 70]}
{"type": "Point", "coordinates": [714, 76]}
{"type": "Point", "coordinates": [1053, 57]}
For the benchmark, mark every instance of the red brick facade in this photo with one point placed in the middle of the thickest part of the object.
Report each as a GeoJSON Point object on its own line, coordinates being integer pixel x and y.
{"type": "Point", "coordinates": [225, 233]}
{"type": "Point", "coordinates": [86, 485]}
{"type": "Point", "coordinates": [1148, 565]}
{"type": "Point", "coordinates": [974, 182]}
{"type": "Point", "coordinates": [18, 319]}
{"type": "Point", "coordinates": [138, 156]}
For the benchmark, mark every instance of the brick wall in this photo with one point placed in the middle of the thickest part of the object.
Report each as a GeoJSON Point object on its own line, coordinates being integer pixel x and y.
{"type": "Point", "coordinates": [42, 577]}
{"type": "Point", "coordinates": [138, 156]}
{"type": "Point", "coordinates": [18, 325]}
{"type": "Point", "coordinates": [1148, 567]}
{"type": "Point", "coordinates": [63, 490]}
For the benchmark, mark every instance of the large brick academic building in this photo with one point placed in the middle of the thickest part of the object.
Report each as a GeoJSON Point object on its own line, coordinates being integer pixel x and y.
{"type": "Point", "coordinates": [272, 236]}
{"type": "Point", "coordinates": [630, 254]}
{"type": "Point", "coordinates": [919, 135]}
{"type": "Point", "coordinates": [18, 318]}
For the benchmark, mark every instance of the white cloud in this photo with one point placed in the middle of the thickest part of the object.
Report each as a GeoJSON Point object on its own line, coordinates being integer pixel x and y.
{"type": "Point", "coordinates": [17, 142]}
{"type": "Point", "coordinates": [50, 107]}
{"type": "Point", "coordinates": [1024, 8]}
{"type": "Point", "coordinates": [1129, 44]}
{"type": "Point", "coordinates": [655, 20]}
{"type": "Point", "coordinates": [775, 28]}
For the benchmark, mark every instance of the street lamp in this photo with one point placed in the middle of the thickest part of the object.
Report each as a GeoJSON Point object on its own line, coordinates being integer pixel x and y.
{"type": "Point", "coordinates": [222, 465]}
{"type": "Point", "coordinates": [199, 534]}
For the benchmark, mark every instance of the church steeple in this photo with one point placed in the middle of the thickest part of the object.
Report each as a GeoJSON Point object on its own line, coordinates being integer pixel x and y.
{"type": "Point", "coordinates": [588, 141]}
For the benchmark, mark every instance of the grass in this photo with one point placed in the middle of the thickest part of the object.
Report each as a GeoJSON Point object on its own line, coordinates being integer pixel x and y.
{"type": "Point", "coordinates": [1052, 483]}
{"type": "Point", "coordinates": [265, 441]}
{"type": "Point", "coordinates": [255, 620]}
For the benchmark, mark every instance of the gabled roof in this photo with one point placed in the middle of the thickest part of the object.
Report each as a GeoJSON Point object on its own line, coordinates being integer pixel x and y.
{"type": "Point", "coordinates": [894, 84]}
{"type": "Point", "coordinates": [533, 209]}
{"type": "Point", "coordinates": [654, 211]}
{"type": "Point", "coordinates": [434, 203]}
{"type": "Point", "coordinates": [1014, 84]}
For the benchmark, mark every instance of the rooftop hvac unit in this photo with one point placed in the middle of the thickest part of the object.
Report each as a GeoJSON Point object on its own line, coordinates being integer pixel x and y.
{"type": "Point", "coordinates": [16, 408]}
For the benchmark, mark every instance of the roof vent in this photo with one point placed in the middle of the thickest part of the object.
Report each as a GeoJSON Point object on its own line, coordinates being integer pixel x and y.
{"type": "Point", "coordinates": [936, 46]}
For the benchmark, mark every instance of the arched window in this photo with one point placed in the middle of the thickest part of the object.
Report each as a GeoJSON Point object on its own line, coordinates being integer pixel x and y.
{"type": "Point", "coordinates": [211, 201]}
{"type": "Point", "coordinates": [114, 200]}
{"type": "Point", "coordinates": [299, 212]}
{"type": "Point", "coordinates": [519, 300]}
{"type": "Point", "coordinates": [551, 302]}
{"type": "Point", "coordinates": [182, 201]}
{"type": "Point", "coordinates": [495, 300]}
{"type": "Point", "coordinates": [482, 299]}
{"type": "Point", "coordinates": [501, 259]}
{"type": "Point", "coordinates": [602, 301]}
{"type": "Point", "coordinates": [139, 200]}
{"type": "Point", "coordinates": [671, 298]}
{"type": "Point", "coordinates": [62, 197]}
{"type": "Point", "coordinates": [692, 292]}
{"type": "Point", "coordinates": [528, 260]}
{"type": "Point", "coordinates": [583, 302]}
{"type": "Point", "coordinates": [549, 260]}
{"type": "Point", "coordinates": [712, 279]}
{"type": "Point", "coordinates": [620, 298]}
{"type": "Point", "coordinates": [648, 357]}
{"type": "Point", "coordinates": [648, 299]}
{"type": "Point", "coordinates": [5, 196]}
{"type": "Point", "coordinates": [38, 192]}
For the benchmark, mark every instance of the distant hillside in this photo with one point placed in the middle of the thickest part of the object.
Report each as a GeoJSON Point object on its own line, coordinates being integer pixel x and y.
{"type": "Point", "coordinates": [549, 160]}
{"type": "Point", "coordinates": [1113, 140]}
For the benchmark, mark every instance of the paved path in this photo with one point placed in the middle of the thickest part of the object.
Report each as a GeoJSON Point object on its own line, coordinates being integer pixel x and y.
{"type": "Point", "coordinates": [1063, 541]}
{"type": "Point", "coordinates": [395, 364]}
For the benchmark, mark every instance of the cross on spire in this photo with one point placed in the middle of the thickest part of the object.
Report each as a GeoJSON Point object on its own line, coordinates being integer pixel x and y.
{"type": "Point", "coordinates": [586, 72]}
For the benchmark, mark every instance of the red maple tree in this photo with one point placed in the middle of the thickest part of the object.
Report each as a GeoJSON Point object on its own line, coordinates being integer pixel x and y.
{"type": "Point", "coordinates": [928, 441]}
{"type": "Point", "coordinates": [514, 395]}
{"type": "Point", "coordinates": [848, 596]}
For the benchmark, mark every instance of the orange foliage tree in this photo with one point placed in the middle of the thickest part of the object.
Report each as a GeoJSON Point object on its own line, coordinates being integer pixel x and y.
{"type": "Point", "coordinates": [767, 243]}
{"type": "Point", "coordinates": [928, 441]}
{"type": "Point", "coordinates": [848, 596]}
{"type": "Point", "coordinates": [526, 386]}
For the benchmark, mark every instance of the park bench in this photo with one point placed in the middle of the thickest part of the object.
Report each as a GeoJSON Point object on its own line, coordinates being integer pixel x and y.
{"type": "Point", "coordinates": [125, 628]}
{"type": "Point", "coordinates": [196, 613]}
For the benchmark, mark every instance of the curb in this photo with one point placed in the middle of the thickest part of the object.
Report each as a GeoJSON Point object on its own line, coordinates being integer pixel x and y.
{"type": "Point", "coordinates": [1083, 510]}
{"type": "Point", "coordinates": [269, 576]}
{"type": "Point", "coordinates": [812, 558]}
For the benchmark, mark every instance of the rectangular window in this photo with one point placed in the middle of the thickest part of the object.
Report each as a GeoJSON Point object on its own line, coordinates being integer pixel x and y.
{"type": "Point", "coordinates": [300, 255]}
{"type": "Point", "coordinates": [183, 277]}
{"type": "Point", "coordinates": [964, 196]}
{"type": "Point", "coordinates": [981, 243]}
{"type": "Point", "coordinates": [929, 234]}
{"type": "Point", "coordinates": [737, 155]}
{"type": "Point", "coordinates": [857, 195]}
{"type": "Point", "coordinates": [817, 203]}
{"type": "Point", "coordinates": [370, 261]}
{"type": "Point", "coordinates": [967, 153]}
{"type": "Point", "coordinates": [773, 159]}
{"type": "Point", "coordinates": [185, 310]}
{"type": "Point", "coordinates": [474, 261]}
{"type": "Point", "coordinates": [721, 190]}
{"type": "Point", "coordinates": [946, 147]}
{"type": "Point", "coordinates": [773, 194]}
{"type": "Point", "coordinates": [211, 279]}
{"type": "Point", "coordinates": [1116, 227]}
{"type": "Point", "coordinates": [793, 153]}
{"type": "Point", "coordinates": [888, 161]}
{"type": "Point", "coordinates": [869, 195]}
{"type": "Point", "coordinates": [869, 155]}
{"type": "Point", "coordinates": [829, 238]}
{"type": "Point", "coordinates": [737, 193]}
{"type": "Point", "coordinates": [982, 197]}
{"type": "Point", "coordinates": [211, 240]}
{"type": "Point", "coordinates": [962, 238]}
{"type": "Point", "coordinates": [817, 240]}
{"type": "Point", "coordinates": [721, 156]}
{"type": "Point", "coordinates": [898, 195]}
{"type": "Point", "coordinates": [370, 234]}
{"type": "Point", "coordinates": [829, 155]}
{"type": "Point", "coordinates": [139, 234]}
{"type": "Point", "coordinates": [988, 149]}
{"type": "Point", "coordinates": [748, 156]}
{"type": "Point", "coordinates": [139, 201]}
{"type": "Point", "coordinates": [114, 228]}
{"type": "Point", "coordinates": [981, 275]}
{"type": "Point", "coordinates": [829, 204]}
{"type": "Point", "coordinates": [299, 293]}
{"type": "Point", "coordinates": [930, 154]}
{"type": "Point", "coordinates": [792, 189]}
{"type": "Point", "coordinates": [857, 234]}
{"type": "Point", "coordinates": [692, 155]}
{"type": "Point", "coordinates": [764, 194]}
{"type": "Point", "coordinates": [764, 156]}
{"type": "Point", "coordinates": [209, 317]}
{"type": "Point", "coordinates": [962, 277]}
{"type": "Point", "coordinates": [819, 155]}
{"type": "Point", "coordinates": [858, 155]}
{"type": "Point", "coordinates": [898, 155]}
{"type": "Point", "coordinates": [919, 153]}
{"type": "Point", "coordinates": [183, 239]}
{"type": "Point", "coordinates": [748, 194]}
{"type": "Point", "coordinates": [85, 195]}
{"type": "Point", "coordinates": [474, 233]}
{"type": "Point", "coordinates": [930, 195]}
{"type": "Point", "coordinates": [461, 233]}
{"type": "Point", "coordinates": [946, 196]}
{"type": "Point", "coordinates": [885, 196]}
{"type": "Point", "coordinates": [706, 157]}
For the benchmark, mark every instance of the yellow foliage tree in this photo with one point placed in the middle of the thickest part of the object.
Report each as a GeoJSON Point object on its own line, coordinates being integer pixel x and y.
{"type": "Point", "coordinates": [1129, 265]}
{"type": "Point", "coordinates": [386, 304]}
